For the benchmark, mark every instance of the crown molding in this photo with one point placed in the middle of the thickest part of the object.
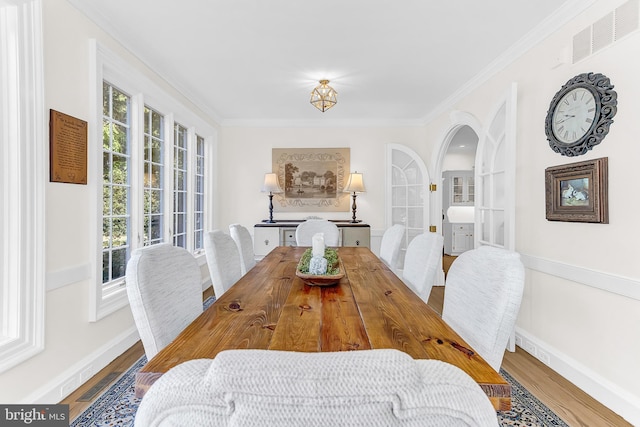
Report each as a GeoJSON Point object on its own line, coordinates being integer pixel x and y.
{"type": "Point", "coordinates": [553, 23]}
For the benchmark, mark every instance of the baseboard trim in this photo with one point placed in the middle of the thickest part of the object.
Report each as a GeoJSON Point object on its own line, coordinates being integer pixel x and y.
{"type": "Point", "coordinates": [77, 374]}
{"type": "Point", "coordinates": [612, 396]}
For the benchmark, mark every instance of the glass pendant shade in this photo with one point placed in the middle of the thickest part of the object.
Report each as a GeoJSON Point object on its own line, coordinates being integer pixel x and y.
{"type": "Point", "coordinates": [323, 96]}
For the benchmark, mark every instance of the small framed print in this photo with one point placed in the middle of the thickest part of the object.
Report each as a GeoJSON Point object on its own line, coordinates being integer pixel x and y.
{"type": "Point", "coordinates": [67, 149]}
{"type": "Point", "coordinates": [577, 192]}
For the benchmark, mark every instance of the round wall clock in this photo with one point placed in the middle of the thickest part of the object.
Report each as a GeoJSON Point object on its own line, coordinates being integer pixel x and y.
{"type": "Point", "coordinates": [580, 114]}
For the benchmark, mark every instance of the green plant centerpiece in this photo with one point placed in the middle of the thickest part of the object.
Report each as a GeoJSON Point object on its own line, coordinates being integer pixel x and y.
{"type": "Point", "coordinates": [331, 277]}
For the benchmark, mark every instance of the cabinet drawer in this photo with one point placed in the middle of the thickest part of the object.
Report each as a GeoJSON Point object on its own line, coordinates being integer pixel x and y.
{"type": "Point", "coordinates": [356, 236]}
{"type": "Point", "coordinates": [265, 239]}
{"type": "Point", "coordinates": [288, 236]}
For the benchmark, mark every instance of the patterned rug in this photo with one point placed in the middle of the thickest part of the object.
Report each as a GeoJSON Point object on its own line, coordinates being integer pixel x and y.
{"type": "Point", "coordinates": [118, 405]}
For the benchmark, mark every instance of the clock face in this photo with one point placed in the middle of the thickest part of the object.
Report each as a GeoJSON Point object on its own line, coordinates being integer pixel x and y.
{"type": "Point", "coordinates": [574, 115]}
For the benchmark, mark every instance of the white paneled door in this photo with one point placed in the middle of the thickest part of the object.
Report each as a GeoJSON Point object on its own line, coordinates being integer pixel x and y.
{"type": "Point", "coordinates": [407, 193]}
{"type": "Point", "coordinates": [495, 176]}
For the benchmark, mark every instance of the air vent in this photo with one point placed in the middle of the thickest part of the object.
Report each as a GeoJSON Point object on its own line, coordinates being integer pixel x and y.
{"type": "Point", "coordinates": [602, 33]}
{"type": "Point", "coordinates": [582, 45]}
{"type": "Point", "coordinates": [627, 17]}
{"type": "Point", "coordinates": [612, 27]}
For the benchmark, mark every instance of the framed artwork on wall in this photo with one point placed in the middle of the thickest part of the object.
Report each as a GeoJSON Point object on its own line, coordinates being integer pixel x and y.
{"type": "Point", "coordinates": [578, 192]}
{"type": "Point", "coordinates": [313, 179]}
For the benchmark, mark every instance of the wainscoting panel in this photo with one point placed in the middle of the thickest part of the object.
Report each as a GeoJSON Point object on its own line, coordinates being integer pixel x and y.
{"type": "Point", "coordinates": [624, 286]}
{"type": "Point", "coordinates": [69, 380]}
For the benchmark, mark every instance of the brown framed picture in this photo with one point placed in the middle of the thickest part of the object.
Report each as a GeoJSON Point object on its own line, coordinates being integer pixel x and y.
{"type": "Point", "coordinates": [577, 192]}
{"type": "Point", "coordinates": [313, 179]}
{"type": "Point", "coordinates": [67, 149]}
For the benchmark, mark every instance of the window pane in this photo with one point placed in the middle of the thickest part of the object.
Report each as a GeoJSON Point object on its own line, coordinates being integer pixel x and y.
{"type": "Point", "coordinates": [106, 232]}
{"type": "Point", "coordinates": [115, 175]}
{"type": "Point", "coordinates": [120, 139]}
{"type": "Point", "coordinates": [153, 176]}
{"type": "Point", "coordinates": [119, 171]}
{"type": "Point", "coordinates": [180, 185]}
{"type": "Point", "coordinates": [118, 263]}
{"type": "Point", "coordinates": [120, 103]}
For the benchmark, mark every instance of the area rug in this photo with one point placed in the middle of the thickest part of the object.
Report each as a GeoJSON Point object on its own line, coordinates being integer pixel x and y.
{"type": "Point", "coordinates": [117, 406]}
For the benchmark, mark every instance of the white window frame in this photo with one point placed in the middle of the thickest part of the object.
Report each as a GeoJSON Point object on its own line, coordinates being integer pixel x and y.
{"type": "Point", "coordinates": [24, 164]}
{"type": "Point", "coordinates": [106, 66]}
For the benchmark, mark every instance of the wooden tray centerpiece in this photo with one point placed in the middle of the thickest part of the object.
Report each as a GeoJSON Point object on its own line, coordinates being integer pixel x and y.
{"type": "Point", "coordinates": [335, 271]}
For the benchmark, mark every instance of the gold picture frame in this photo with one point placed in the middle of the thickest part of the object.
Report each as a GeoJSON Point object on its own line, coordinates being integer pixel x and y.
{"type": "Point", "coordinates": [578, 192]}
{"type": "Point", "coordinates": [313, 179]}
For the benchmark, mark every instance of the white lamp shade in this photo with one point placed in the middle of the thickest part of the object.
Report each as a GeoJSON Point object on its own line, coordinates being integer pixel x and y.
{"type": "Point", "coordinates": [355, 183]}
{"type": "Point", "coordinates": [271, 183]}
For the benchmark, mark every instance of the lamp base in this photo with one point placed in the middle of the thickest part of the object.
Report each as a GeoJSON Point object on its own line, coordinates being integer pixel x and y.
{"type": "Point", "coordinates": [269, 221]}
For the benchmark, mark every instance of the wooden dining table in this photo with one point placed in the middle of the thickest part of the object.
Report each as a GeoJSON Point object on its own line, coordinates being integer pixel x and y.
{"type": "Point", "coordinates": [370, 308]}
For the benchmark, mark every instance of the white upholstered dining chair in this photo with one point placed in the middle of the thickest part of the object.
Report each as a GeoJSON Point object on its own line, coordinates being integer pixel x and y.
{"type": "Point", "coordinates": [482, 297]}
{"type": "Point", "coordinates": [306, 230]}
{"type": "Point", "coordinates": [390, 245]}
{"type": "Point", "coordinates": [223, 261]}
{"type": "Point", "coordinates": [421, 263]}
{"type": "Point", "coordinates": [164, 286]}
{"type": "Point", "coordinates": [243, 240]}
{"type": "Point", "coordinates": [365, 388]}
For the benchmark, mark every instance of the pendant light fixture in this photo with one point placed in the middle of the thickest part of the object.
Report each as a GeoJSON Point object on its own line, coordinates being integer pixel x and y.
{"type": "Point", "coordinates": [324, 96]}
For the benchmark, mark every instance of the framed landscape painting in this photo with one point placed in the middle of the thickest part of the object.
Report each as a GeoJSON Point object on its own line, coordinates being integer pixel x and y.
{"type": "Point", "coordinates": [313, 179]}
{"type": "Point", "coordinates": [578, 192]}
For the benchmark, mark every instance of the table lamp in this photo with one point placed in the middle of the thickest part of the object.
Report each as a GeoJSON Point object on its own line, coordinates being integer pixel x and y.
{"type": "Point", "coordinates": [271, 185]}
{"type": "Point", "coordinates": [355, 185]}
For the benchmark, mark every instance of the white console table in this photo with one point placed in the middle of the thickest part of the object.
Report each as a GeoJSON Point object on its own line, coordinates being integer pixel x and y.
{"type": "Point", "coordinates": [267, 236]}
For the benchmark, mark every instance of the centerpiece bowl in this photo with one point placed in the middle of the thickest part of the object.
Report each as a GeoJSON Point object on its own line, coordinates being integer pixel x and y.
{"type": "Point", "coordinates": [336, 270]}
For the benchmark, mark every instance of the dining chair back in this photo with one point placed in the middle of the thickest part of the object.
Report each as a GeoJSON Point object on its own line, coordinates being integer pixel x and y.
{"type": "Point", "coordinates": [363, 388]}
{"type": "Point", "coordinates": [243, 240]}
{"type": "Point", "coordinates": [421, 263]}
{"type": "Point", "coordinates": [306, 230]}
{"type": "Point", "coordinates": [390, 245]}
{"type": "Point", "coordinates": [482, 297]}
{"type": "Point", "coordinates": [164, 287]}
{"type": "Point", "coordinates": [223, 260]}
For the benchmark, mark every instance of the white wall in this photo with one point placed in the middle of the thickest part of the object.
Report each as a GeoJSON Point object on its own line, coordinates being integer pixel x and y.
{"type": "Point", "coordinates": [581, 307]}
{"type": "Point", "coordinates": [245, 156]}
{"type": "Point", "coordinates": [75, 349]}
{"type": "Point", "coordinates": [581, 303]}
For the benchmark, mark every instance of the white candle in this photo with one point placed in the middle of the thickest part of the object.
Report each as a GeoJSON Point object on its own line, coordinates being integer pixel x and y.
{"type": "Point", "coordinates": [318, 245]}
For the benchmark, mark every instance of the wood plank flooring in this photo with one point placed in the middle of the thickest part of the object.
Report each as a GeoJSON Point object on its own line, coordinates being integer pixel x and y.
{"type": "Point", "coordinates": [574, 406]}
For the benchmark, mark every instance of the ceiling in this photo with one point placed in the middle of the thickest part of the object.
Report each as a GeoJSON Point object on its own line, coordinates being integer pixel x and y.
{"type": "Point", "coordinates": [251, 61]}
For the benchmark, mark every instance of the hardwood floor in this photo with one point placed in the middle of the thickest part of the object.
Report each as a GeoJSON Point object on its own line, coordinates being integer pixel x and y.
{"type": "Point", "coordinates": [569, 402]}
{"type": "Point", "coordinates": [574, 406]}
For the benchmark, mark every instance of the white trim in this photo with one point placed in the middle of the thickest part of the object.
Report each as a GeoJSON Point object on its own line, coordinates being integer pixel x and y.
{"type": "Point", "coordinates": [105, 65]}
{"type": "Point", "coordinates": [322, 123]}
{"type": "Point", "coordinates": [619, 285]}
{"type": "Point", "coordinates": [60, 278]}
{"type": "Point", "coordinates": [74, 376]}
{"type": "Point", "coordinates": [24, 168]}
{"type": "Point", "coordinates": [609, 394]}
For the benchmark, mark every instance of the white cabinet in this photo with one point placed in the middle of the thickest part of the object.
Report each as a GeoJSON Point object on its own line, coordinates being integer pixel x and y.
{"type": "Point", "coordinates": [461, 239]}
{"type": "Point", "coordinates": [460, 187]}
{"type": "Point", "coordinates": [457, 210]}
{"type": "Point", "coordinates": [265, 239]}
{"type": "Point", "coordinates": [266, 236]}
{"type": "Point", "coordinates": [356, 236]}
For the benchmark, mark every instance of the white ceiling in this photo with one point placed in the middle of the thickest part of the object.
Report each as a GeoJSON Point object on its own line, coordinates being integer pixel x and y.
{"type": "Point", "coordinates": [245, 61]}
